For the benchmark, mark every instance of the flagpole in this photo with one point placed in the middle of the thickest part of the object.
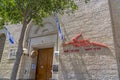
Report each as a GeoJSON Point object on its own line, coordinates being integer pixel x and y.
{"type": "Point", "coordinates": [58, 27]}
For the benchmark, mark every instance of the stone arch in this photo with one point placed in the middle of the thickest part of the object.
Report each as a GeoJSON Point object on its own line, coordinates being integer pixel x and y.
{"type": "Point", "coordinates": [35, 30]}
{"type": "Point", "coordinates": [2, 44]}
{"type": "Point", "coordinates": [45, 36]}
{"type": "Point", "coordinates": [47, 27]}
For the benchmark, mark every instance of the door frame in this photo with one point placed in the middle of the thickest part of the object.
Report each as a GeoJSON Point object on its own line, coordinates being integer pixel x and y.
{"type": "Point", "coordinates": [31, 73]}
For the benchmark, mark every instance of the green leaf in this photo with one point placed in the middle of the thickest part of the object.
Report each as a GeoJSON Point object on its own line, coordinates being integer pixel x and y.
{"type": "Point", "coordinates": [16, 11]}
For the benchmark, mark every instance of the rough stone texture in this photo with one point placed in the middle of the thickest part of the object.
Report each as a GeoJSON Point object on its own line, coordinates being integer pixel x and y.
{"type": "Point", "coordinates": [93, 21]}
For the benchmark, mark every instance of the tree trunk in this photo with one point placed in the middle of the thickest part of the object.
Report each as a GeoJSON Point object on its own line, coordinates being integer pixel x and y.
{"type": "Point", "coordinates": [19, 52]}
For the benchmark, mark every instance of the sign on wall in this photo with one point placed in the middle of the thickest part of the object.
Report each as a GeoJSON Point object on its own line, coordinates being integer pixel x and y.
{"type": "Point", "coordinates": [12, 53]}
{"type": "Point", "coordinates": [33, 66]}
{"type": "Point", "coordinates": [78, 44]}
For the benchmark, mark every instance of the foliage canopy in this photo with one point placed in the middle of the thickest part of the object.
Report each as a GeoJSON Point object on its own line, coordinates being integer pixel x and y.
{"type": "Point", "coordinates": [13, 11]}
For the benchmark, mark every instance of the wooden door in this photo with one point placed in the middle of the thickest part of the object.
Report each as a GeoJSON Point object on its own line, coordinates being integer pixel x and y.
{"type": "Point", "coordinates": [44, 64]}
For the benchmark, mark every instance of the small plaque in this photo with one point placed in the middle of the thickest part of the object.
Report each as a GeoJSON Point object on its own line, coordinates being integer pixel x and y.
{"type": "Point", "coordinates": [56, 53]}
{"type": "Point", "coordinates": [12, 53]}
{"type": "Point", "coordinates": [33, 66]}
{"type": "Point", "coordinates": [55, 68]}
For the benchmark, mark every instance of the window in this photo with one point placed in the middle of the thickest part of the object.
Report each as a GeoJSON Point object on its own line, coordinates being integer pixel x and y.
{"type": "Point", "coordinates": [12, 53]}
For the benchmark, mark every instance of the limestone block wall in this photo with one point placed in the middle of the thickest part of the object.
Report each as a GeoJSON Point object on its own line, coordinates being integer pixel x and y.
{"type": "Point", "coordinates": [6, 64]}
{"type": "Point", "coordinates": [94, 22]}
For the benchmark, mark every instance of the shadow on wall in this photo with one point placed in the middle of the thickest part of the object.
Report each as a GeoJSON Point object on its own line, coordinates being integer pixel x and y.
{"type": "Point", "coordinates": [81, 59]}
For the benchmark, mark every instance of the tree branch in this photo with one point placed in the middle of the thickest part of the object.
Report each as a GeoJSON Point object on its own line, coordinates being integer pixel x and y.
{"type": "Point", "coordinates": [30, 17]}
{"type": "Point", "coordinates": [19, 6]}
{"type": "Point", "coordinates": [26, 13]}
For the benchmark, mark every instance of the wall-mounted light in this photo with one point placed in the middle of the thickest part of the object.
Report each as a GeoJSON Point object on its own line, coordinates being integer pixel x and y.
{"type": "Point", "coordinates": [25, 51]}
{"type": "Point", "coordinates": [34, 53]}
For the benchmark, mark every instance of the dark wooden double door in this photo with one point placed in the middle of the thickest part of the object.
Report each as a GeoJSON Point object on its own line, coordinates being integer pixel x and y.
{"type": "Point", "coordinates": [44, 64]}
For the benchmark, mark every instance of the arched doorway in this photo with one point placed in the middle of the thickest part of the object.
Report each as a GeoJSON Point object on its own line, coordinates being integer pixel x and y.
{"type": "Point", "coordinates": [41, 39]}
{"type": "Point", "coordinates": [2, 43]}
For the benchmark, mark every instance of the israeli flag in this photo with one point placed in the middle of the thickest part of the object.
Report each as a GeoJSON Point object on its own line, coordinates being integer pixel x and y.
{"type": "Point", "coordinates": [11, 39]}
{"type": "Point", "coordinates": [58, 26]}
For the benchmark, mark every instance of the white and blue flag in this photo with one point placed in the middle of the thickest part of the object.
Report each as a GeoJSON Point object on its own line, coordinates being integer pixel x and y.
{"type": "Point", "coordinates": [58, 26]}
{"type": "Point", "coordinates": [11, 39]}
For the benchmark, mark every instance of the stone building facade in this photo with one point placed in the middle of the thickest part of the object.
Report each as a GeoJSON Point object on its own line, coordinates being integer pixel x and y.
{"type": "Point", "coordinates": [8, 53]}
{"type": "Point", "coordinates": [87, 53]}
